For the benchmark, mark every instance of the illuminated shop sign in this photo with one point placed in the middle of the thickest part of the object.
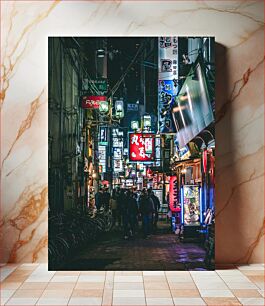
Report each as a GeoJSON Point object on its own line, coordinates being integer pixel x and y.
{"type": "Point", "coordinates": [132, 107]}
{"type": "Point", "coordinates": [129, 183]}
{"type": "Point", "coordinates": [117, 138]}
{"type": "Point", "coordinates": [191, 209]}
{"type": "Point", "coordinates": [93, 102]}
{"type": "Point", "coordinates": [173, 194]}
{"type": "Point", "coordinates": [100, 85]}
{"type": "Point", "coordinates": [103, 136]}
{"type": "Point", "coordinates": [117, 153]}
{"type": "Point", "coordinates": [142, 147]}
{"type": "Point", "coordinates": [117, 165]}
{"type": "Point", "coordinates": [167, 85]}
{"type": "Point", "coordinates": [102, 158]}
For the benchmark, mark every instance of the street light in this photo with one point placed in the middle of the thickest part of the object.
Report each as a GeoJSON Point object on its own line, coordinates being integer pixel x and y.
{"type": "Point", "coordinates": [104, 107]}
{"type": "Point", "coordinates": [100, 53]}
{"type": "Point", "coordinates": [119, 109]}
{"type": "Point", "coordinates": [147, 122]}
{"type": "Point", "coordinates": [134, 125]}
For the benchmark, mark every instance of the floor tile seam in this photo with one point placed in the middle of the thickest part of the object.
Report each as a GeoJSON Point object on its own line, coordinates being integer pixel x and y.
{"type": "Point", "coordinates": [221, 280]}
{"type": "Point", "coordinates": [29, 290]}
{"type": "Point", "coordinates": [227, 288]}
{"type": "Point", "coordinates": [112, 295]}
{"type": "Point", "coordinates": [245, 278]}
{"type": "Point", "coordinates": [68, 299]}
{"type": "Point", "coordinates": [5, 277]}
{"type": "Point", "coordinates": [172, 299]}
{"type": "Point", "coordinates": [104, 287]}
{"type": "Point", "coordinates": [9, 298]}
{"type": "Point", "coordinates": [145, 298]}
{"type": "Point", "coordinates": [224, 298]}
{"type": "Point", "coordinates": [77, 280]}
{"type": "Point", "coordinates": [57, 291]}
{"type": "Point", "coordinates": [230, 290]}
{"type": "Point", "coordinates": [22, 298]}
{"type": "Point", "coordinates": [11, 294]}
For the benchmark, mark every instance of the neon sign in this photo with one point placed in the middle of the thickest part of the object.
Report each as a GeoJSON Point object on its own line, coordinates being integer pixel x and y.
{"type": "Point", "coordinates": [142, 147]}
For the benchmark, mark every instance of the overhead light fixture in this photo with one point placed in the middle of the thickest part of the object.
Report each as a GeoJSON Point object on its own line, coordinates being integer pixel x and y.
{"type": "Point", "coordinates": [147, 121]}
{"type": "Point", "coordinates": [119, 109]}
{"type": "Point", "coordinates": [104, 107]}
{"type": "Point", "coordinates": [100, 53]}
{"type": "Point", "coordinates": [134, 125]}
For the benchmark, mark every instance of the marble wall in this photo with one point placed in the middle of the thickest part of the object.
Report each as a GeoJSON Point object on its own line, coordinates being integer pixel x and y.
{"type": "Point", "coordinates": [238, 27]}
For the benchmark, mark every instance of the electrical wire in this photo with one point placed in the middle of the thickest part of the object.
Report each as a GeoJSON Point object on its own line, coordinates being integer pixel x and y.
{"type": "Point", "coordinates": [93, 87]}
{"type": "Point", "coordinates": [86, 73]}
{"type": "Point", "coordinates": [116, 86]}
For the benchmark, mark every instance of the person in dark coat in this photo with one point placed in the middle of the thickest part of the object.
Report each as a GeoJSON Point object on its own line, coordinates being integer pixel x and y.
{"type": "Point", "coordinates": [113, 207]}
{"type": "Point", "coordinates": [132, 213]}
{"type": "Point", "coordinates": [123, 206]}
{"type": "Point", "coordinates": [99, 199]}
{"type": "Point", "coordinates": [146, 210]}
{"type": "Point", "coordinates": [156, 207]}
{"type": "Point", "coordinates": [106, 199]}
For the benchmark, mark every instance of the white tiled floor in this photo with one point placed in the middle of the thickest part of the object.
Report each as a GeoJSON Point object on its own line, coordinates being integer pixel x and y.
{"type": "Point", "coordinates": [33, 284]}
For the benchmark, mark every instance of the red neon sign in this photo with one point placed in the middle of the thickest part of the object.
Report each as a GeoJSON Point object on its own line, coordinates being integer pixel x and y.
{"type": "Point", "coordinates": [92, 102]}
{"type": "Point", "coordinates": [142, 147]}
{"type": "Point", "coordinates": [173, 194]}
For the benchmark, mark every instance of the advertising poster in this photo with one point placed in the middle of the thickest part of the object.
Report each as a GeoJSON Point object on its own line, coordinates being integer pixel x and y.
{"type": "Point", "coordinates": [191, 205]}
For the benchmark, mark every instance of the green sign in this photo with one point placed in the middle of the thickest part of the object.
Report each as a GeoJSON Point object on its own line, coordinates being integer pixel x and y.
{"type": "Point", "coordinates": [100, 84]}
{"type": "Point", "coordinates": [103, 143]}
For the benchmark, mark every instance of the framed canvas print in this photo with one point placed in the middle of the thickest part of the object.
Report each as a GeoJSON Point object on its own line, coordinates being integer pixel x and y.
{"type": "Point", "coordinates": [131, 153]}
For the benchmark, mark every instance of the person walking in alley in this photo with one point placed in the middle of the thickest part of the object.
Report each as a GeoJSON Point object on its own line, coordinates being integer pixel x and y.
{"type": "Point", "coordinates": [106, 199]}
{"type": "Point", "coordinates": [113, 207]}
{"type": "Point", "coordinates": [156, 208]}
{"type": "Point", "coordinates": [119, 199]}
{"type": "Point", "coordinates": [132, 213]}
{"type": "Point", "coordinates": [146, 210]}
{"type": "Point", "coordinates": [123, 206]}
{"type": "Point", "coordinates": [99, 199]}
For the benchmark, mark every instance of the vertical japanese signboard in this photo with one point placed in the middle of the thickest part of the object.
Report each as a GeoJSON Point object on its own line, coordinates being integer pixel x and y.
{"type": "Point", "coordinates": [117, 144]}
{"type": "Point", "coordinates": [167, 81]}
{"type": "Point", "coordinates": [174, 194]}
{"type": "Point", "coordinates": [102, 158]}
{"type": "Point", "coordinates": [141, 147]}
{"type": "Point", "coordinates": [103, 135]}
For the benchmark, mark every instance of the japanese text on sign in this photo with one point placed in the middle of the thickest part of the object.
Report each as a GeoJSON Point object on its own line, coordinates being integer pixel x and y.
{"type": "Point", "coordinates": [141, 147]}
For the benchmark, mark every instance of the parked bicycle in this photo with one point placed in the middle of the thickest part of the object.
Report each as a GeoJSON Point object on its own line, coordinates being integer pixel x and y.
{"type": "Point", "coordinates": [70, 230]}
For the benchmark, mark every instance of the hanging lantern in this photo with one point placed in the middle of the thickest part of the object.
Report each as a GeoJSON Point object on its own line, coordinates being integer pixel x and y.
{"type": "Point", "coordinates": [134, 125]}
{"type": "Point", "coordinates": [104, 107]}
{"type": "Point", "coordinates": [147, 121]}
{"type": "Point", "coordinates": [119, 109]}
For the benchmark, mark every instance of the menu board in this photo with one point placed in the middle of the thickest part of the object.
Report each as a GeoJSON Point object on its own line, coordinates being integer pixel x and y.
{"type": "Point", "coordinates": [191, 205]}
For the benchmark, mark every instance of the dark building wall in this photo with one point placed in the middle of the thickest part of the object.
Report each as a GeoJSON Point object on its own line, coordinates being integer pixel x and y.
{"type": "Point", "coordinates": [65, 125]}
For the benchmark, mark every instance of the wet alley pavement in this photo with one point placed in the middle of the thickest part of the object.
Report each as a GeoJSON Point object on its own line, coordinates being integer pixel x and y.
{"type": "Point", "coordinates": [162, 251]}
